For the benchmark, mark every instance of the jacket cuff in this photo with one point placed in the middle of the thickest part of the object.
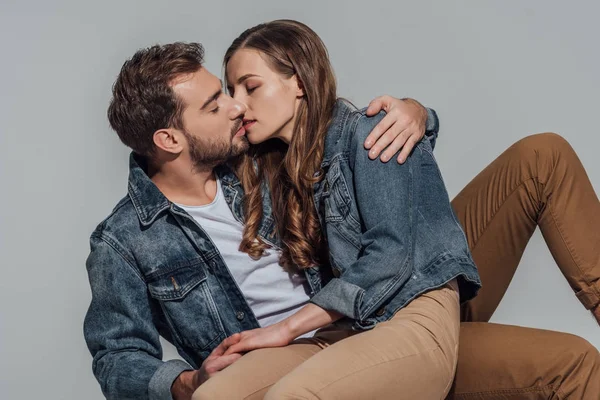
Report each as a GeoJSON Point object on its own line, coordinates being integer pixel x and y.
{"type": "Point", "coordinates": [432, 126]}
{"type": "Point", "coordinates": [340, 296]}
{"type": "Point", "coordinates": [160, 384]}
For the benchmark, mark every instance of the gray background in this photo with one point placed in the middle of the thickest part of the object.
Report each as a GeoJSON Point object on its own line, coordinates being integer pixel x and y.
{"type": "Point", "coordinates": [495, 72]}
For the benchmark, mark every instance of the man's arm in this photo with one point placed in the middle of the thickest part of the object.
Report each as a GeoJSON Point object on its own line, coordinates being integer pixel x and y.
{"type": "Point", "coordinates": [432, 126]}
{"type": "Point", "coordinates": [120, 332]}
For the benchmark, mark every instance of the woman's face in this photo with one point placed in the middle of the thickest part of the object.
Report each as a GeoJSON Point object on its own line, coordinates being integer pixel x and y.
{"type": "Point", "coordinates": [271, 98]}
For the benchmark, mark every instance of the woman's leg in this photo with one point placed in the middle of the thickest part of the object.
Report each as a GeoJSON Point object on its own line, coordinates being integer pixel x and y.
{"type": "Point", "coordinates": [538, 181]}
{"type": "Point", "coordinates": [500, 362]}
{"type": "Point", "coordinates": [411, 356]}
{"type": "Point", "coordinates": [253, 374]}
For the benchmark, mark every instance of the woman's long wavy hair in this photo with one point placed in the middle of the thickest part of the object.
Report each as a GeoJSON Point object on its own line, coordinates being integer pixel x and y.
{"type": "Point", "coordinates": [291, 48]}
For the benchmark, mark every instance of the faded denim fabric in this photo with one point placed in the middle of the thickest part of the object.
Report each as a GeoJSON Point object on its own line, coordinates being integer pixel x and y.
{"type": "Point", "coordinates": [391, 230]}
{"type": "Point", "coordinates": [154, 271]}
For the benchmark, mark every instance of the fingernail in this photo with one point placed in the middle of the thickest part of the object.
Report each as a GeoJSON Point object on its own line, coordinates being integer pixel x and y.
{"type": "Point", "coordinates": [384, 158]}
{"type": "Point", "coordinates": [368, 143]}
{"type": "Point", "coordinates": [372, 153]}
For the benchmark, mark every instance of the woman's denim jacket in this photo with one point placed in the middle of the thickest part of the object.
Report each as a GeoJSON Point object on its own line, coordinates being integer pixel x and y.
{"type": "Point", "coordinates": [391, 231]}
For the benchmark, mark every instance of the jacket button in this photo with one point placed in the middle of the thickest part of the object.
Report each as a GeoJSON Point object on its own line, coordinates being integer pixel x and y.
{"type": "Point", "coordinates": [326, 187]}
{"type": "Point", "coordinates": [240, 315]}
{"type": "Point", "coordinates": [380, 312]}
{"type": "Point", "coordinates": [336, 272]}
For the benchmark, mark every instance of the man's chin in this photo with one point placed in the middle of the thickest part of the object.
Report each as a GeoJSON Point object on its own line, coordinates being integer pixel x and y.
{"type": "Point", "coordinates": [239, 146]}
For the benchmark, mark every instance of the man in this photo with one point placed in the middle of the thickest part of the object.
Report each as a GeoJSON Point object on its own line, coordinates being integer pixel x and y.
{"type": "Point", "coordinates": [165, 261]}
{"type": "Point", "coordinates": [153, 269]}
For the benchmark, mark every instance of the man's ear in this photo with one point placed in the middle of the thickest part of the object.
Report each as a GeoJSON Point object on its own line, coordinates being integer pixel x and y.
{"type": "Point", "coordinates": [169, 140]}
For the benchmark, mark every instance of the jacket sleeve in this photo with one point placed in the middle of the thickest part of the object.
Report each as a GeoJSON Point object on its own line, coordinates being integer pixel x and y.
{"type": "Point", "coordinates": [119, 329]}
{"type": "Point", "coordinates": [432, 126]}
{"type": "Point", "coordinates": [384, 197]}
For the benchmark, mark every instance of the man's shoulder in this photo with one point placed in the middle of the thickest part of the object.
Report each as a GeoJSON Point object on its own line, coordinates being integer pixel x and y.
{"type": "Point", "coordinates": [123, 217]}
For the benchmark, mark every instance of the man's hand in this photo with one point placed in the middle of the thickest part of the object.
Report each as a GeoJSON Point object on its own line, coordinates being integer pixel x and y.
{"type": "Point", "coordinates": [596, 312]}
{"type": "Point", "coordinates": [276, 335]}
{"type": "Point", "coordinates": [188, 381]}
{"type": "Point", "coordinates": [402, 127]}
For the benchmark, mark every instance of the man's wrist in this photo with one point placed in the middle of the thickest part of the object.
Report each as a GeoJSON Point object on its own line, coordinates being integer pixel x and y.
{"type": "Point", "coordinates": [185, 384]}
{"type": "Point", "coordinates": [420, 107]}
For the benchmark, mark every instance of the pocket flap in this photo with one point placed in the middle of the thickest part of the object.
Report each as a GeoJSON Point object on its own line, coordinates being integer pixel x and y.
{"type": "Point", "coordinates": [175, 282]}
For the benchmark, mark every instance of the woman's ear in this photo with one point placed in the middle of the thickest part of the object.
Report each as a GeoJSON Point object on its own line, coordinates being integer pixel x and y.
{"type": "Point", "coordinates": [299, 87]}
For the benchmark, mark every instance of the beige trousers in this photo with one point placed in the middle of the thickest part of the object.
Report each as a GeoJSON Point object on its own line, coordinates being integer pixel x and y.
{"type": "Point", "coordinates": [411, 356]}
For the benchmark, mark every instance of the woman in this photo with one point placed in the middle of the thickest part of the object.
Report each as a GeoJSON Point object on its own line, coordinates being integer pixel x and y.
{"type": "Point", "coordinates": [398, 258]}
{"type": "Point", "coordinates": [292, 106]}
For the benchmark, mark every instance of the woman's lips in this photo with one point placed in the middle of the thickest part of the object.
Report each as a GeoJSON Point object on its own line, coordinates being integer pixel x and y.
{"type": "Point", "coordinates": [248, 123]}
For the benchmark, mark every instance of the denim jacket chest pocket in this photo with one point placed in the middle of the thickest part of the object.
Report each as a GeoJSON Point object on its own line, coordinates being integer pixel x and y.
{"type": "Point", "coordinates": [183, 292]}
{"type": "Point", "coordinates": [341, 219]}
{"type": "Point", "coordinates": [335, 195]}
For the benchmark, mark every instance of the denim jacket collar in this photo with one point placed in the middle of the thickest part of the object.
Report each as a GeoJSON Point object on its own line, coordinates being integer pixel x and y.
{"type": "Point", "coordinates": [227, 177]}
{"type": "Point", "coordinates": [149, 202]}
{"type": "Point", "coordinates": [341, 113]}
{"type": "Point", "coordinates": [147, 199]}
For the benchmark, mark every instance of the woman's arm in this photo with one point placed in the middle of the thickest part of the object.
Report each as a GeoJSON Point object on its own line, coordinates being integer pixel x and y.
{"type": "Point", "coordinates": [307, 319]}
{"type": "Point", "coordinates": [388, 197]}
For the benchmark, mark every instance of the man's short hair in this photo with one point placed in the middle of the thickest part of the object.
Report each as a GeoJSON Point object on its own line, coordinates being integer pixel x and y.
{"type": "Point", "coordinates": [143, 100]}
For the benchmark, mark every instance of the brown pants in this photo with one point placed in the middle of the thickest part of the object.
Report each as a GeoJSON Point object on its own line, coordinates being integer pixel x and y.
{"type": "Point", "coordinates": [539, 181]}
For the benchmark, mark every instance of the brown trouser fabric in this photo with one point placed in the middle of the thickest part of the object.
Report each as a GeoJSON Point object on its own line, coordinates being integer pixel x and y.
{"type": "Point", "coordinates": [539, 181]}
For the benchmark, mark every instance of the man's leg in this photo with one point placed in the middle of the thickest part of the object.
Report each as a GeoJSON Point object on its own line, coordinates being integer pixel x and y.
{"type": "Point", "coordinates": [500, 362]}
{"type": "Point", "coordinates": [411, 356]}
{"type": "Point", "coordinates": [539, 181]}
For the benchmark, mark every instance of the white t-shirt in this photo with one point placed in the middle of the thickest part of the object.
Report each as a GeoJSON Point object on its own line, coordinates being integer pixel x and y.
{"type": "Point", "coordinates": [271, 292]}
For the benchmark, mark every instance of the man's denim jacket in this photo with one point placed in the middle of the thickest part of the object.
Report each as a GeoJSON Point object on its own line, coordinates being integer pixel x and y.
{"type": "Point", "coordinates": [154, 271]}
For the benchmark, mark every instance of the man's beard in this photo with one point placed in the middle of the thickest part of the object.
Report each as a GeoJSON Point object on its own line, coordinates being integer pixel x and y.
{"type": "Point", "coordinates": [208, 153]}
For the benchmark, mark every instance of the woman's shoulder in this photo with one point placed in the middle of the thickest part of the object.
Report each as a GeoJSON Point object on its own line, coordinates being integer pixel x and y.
{"type": "Point", "coordinates": [350, 127]}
